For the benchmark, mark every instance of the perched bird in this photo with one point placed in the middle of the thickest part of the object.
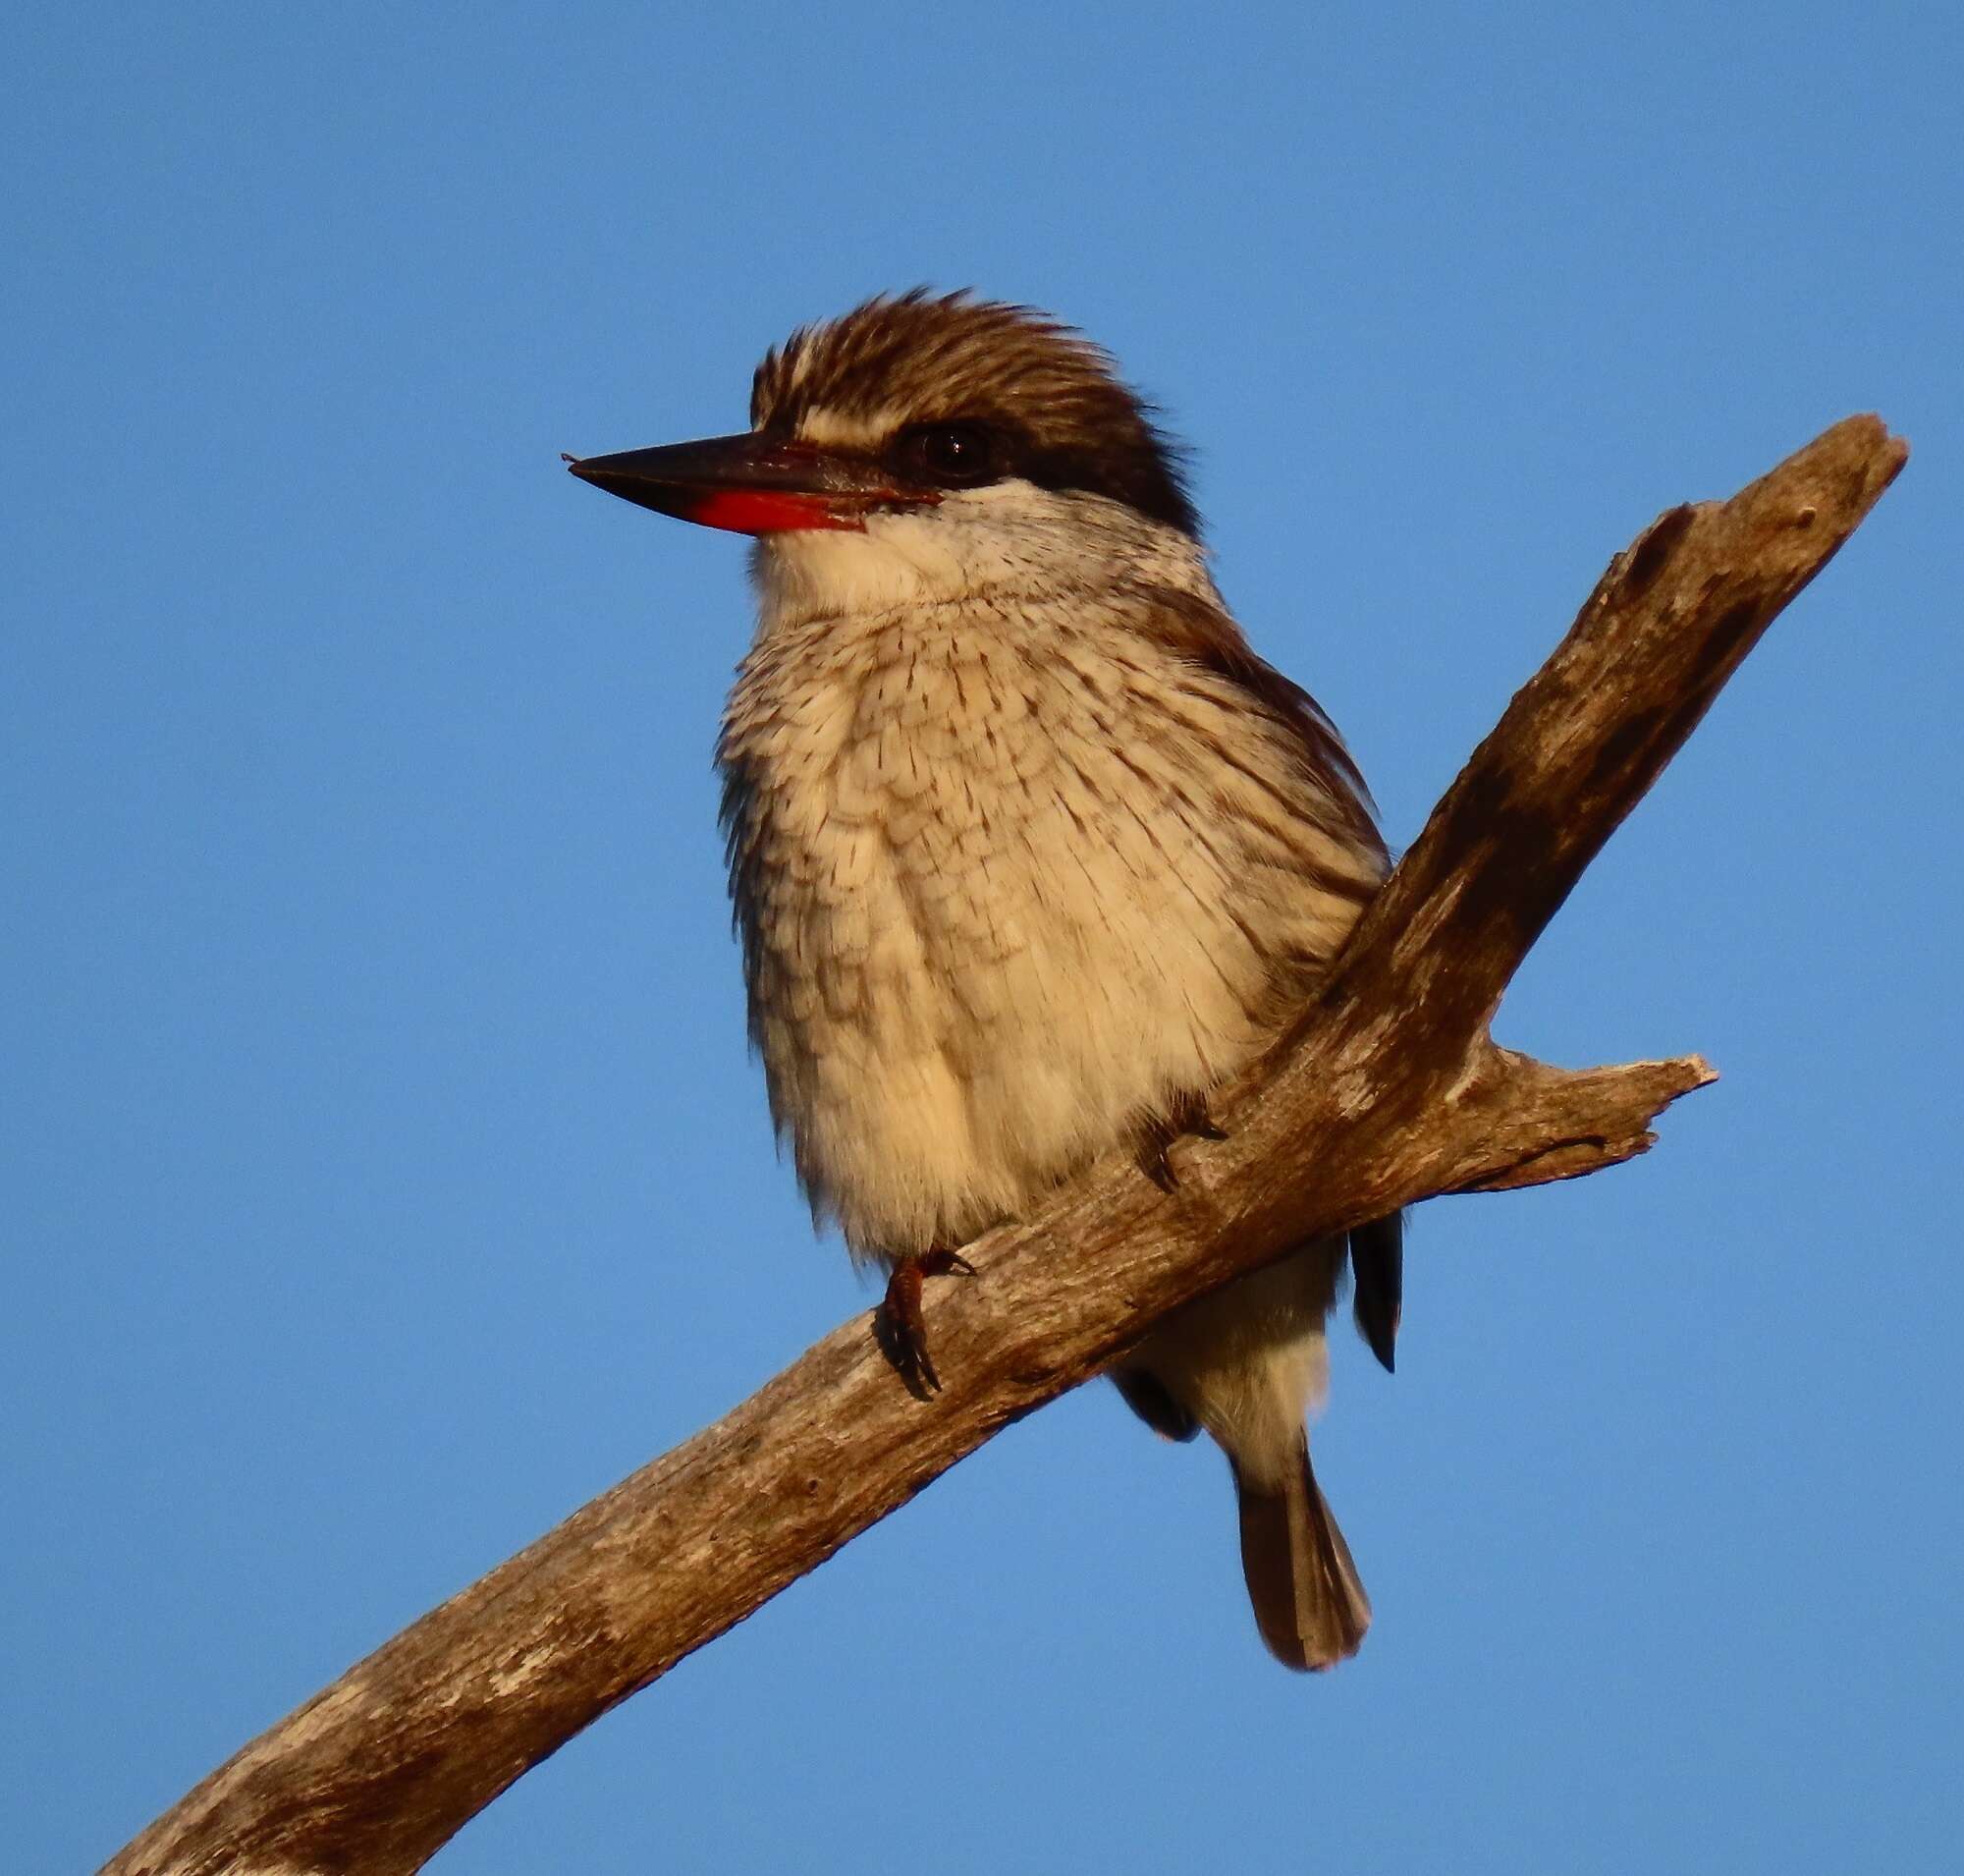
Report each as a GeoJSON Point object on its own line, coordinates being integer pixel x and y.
{"type": "Point", "coordinates": [1029, 850]}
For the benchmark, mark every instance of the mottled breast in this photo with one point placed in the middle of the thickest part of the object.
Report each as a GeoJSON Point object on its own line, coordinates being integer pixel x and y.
{"type": "Point", "coordinates": [1009, 875]}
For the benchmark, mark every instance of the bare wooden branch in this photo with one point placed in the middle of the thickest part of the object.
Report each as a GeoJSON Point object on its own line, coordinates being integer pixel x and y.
{"type": "Point", "coordinates": [1388, 1093]}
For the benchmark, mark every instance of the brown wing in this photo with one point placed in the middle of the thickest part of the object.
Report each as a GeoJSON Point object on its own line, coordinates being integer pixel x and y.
{"type": "Point", "coordinates": [1148, 1398]}
{"type": "Point", "coordinates": [1208, 638]}
{"type": "Point", "coordinates": [1378, 1268]}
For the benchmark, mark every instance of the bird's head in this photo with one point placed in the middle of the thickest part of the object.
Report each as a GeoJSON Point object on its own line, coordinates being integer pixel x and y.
{"type": "Point", "coordinates": [910, 446]}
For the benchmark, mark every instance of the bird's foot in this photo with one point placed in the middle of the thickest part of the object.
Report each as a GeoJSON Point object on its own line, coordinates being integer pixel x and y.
{"type": "Point", "coordinates": [898, 1322]}
{"type": "Point", "coordinates": [1187, 1113]}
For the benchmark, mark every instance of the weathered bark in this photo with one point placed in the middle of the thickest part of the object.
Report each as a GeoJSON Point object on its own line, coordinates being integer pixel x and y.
{"type": "Point", "coordinates": [1388, 1091]}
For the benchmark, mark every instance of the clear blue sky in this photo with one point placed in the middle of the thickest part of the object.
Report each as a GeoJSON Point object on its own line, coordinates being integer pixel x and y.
{"type": "Point", "coordinates": [381, 1169]}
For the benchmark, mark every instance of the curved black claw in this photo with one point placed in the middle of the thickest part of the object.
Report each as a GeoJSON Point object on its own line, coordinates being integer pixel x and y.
{"type": "Point", "coordinates": [1186, 1113]}
{"type": "Point", "coordinates": [1149, 1152]}
{"type": "Point", "coordinates": [1191, 1116]}
{"type": "Point", "coordinates": [898, 1322]}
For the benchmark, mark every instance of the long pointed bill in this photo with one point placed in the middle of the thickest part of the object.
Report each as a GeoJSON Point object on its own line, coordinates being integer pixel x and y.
{"type": "Point", "coordinates": [751, 485]}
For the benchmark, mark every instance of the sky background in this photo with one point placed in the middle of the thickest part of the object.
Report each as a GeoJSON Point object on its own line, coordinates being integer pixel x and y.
{"type": "Point", "coordinates": [382, 1173]}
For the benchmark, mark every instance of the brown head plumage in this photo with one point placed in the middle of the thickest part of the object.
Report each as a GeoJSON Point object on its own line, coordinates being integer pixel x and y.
{"type": "Point", "coordinates": [1037, 400]}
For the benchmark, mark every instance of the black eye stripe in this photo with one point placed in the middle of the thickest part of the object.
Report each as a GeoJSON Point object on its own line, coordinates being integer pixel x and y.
{"type": "Point", "coordinates": [954, 455]}
{"type": "Point", "coordinates": [960, 453]}
{"type": "Point", "coordinates": [1142, 480]}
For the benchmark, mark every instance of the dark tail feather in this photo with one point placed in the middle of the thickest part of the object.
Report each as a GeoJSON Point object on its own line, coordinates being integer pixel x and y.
{"type": "Point", "coordinates": [1309, 1605]}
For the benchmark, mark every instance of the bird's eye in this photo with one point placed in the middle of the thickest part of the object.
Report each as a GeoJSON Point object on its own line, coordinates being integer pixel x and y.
{"type": "Point", "coordinates": [952, 454]}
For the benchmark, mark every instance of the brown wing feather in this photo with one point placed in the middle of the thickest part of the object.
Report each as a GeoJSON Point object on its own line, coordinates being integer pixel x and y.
{"type": "Point", "coordinates": [1208, 638]}
{"type": "Point", "coordinates": [1378, 1264]}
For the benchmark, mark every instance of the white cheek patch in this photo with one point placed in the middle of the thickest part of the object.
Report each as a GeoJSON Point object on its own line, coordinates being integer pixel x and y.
{"type": "Point", "coordinates": [1010, 535]}
{"type": "Point", "coordinates": [965, 543]}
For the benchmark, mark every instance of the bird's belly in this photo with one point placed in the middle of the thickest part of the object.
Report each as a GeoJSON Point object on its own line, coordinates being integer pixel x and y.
{"type": "Point", "coordinates": [956, 1016]}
